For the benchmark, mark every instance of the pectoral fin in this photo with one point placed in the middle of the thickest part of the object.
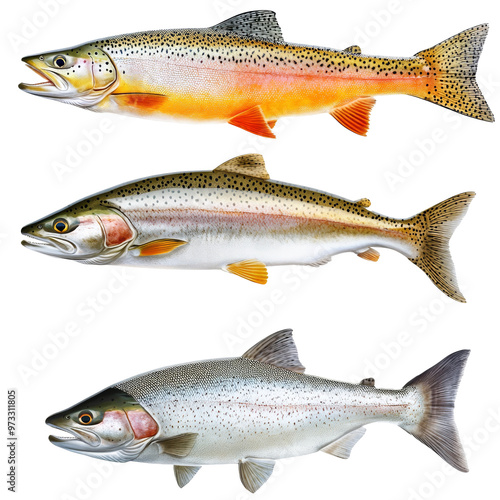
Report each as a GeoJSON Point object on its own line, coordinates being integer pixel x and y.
{"type": "Point", "coordinates": [158, 247]}
{"type": "Point", "coordinates": [178, 446]}
{"type": "Point", "coordinates": [355, 115]}
{"type": "Point", "coordinates": [251, 270]}
{"type": "Point", "coordinates": [254, 472]}
{"type": "Point", "coordinates": [253, 120]}
{"type": "Point", "coordinates": [369, 254]}
{"type": "Point", "coordinates": [184, 474]}
{"type": "Point", "coordinates": [342, 447]}
{"type": "Point", "coordinates": [146, 102]}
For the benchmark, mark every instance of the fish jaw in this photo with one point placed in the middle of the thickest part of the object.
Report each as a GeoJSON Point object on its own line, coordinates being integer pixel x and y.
{"type": "Point", "coordinates": [80, 439]}
{"type": "Point", "coordinates": [54, 86]}
{"type": "Point", "coordinates": [53, 246]}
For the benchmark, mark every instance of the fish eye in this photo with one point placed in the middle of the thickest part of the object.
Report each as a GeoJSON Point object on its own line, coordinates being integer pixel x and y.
{"type": "Point", "coordinates": [41, 58]}
{"type": "Point", "coordinates": [59, 61]}
{"type": "Point", "coordinates": [61, 226]}
{"type": "Point", "coordinates": [85, 418]}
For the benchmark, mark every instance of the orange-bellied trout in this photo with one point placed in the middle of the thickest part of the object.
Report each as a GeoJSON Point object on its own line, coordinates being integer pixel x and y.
{"type": "Point", "coordinates": [241, 71]}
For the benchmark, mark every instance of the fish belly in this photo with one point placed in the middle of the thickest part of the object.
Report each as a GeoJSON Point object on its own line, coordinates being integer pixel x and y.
{"type": "Point", "coordinates": [216, 240]}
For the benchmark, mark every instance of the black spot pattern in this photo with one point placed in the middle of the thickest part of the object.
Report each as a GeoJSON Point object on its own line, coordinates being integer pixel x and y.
{"type": "Point", "coordinates": [432, 230]}
{"type": "Point", "coordinates": [453, 65]}
{"type": "Point", "coordinates": [200, 46]}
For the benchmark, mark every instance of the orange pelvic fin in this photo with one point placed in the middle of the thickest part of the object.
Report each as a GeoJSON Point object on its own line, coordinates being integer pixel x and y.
{"type": "Point", "coordinates": [253, 120]}
{"type": "Point", "coordinates": [251, 270]}
{"type": "Point", "coordinates": [158, 247]}
{"type": "Point", "coordinates": [141, 101]}
{"type": "Point", "coordinates": [355, 115]}
{"type": "Point", "coordinates": [370, 254]}
{"type": "Point", "coordinates": [272, 123]}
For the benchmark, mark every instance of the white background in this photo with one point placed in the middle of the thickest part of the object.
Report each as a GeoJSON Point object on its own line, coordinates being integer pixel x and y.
{"type": "Point", "coordinates": [348, 316]}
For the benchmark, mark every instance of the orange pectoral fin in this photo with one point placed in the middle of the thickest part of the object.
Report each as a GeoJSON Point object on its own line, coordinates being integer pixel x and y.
{"type": "Point", "coordinates": [355, 115]}
{"type": "Point", "coordinates": [147, 102]}
{"type": "Point", "coordinates": [158, 247]}
{"type": "Point", "coordinates": [253, 120]}
{"type": "Point", "coordinates": [370, 254]}
{"type": "Point", "coordinates": [251, 270]}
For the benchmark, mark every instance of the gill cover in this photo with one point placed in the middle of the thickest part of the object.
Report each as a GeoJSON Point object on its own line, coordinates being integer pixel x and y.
{"type": "Point", "coordinates": [103, 69]}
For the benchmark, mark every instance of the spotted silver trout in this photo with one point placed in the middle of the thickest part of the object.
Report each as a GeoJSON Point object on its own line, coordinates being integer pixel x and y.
{"type": "Point", "coordinates": [242, 72]}
{"type": "Point", "coordinates": [234, 218]}
{"type": "Point", "coordinates": [254, 410]}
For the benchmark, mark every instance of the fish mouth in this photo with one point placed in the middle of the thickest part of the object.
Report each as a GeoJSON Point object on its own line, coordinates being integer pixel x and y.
{"type": "Point", "coordinates": [49, 246]}
{"type": "Point", "coordinates": [53, 85]}
{"type": "Point", "coordinates": [79, 440]}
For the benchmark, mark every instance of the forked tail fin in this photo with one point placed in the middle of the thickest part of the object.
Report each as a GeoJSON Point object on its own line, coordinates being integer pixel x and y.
{"type": "Point", "coordinates": [453, 64]}
{"type": "Point", "coordinates": [436, 427]}
{"type": "Point", "coordinates": [433, 229]}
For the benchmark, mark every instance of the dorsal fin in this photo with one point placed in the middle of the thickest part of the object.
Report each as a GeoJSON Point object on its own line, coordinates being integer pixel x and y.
{"type": "Point", "coordinates": [258, 23]}
{"type": "Point", "coordinates": [353, 49]}
{"type": "Point", "coordinates": [279, 350]}
{"type": "Point", "coordinates": [252, 164]}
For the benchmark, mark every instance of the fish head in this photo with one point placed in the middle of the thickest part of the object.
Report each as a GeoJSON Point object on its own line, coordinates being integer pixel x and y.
{"type": "Point", "coordinates": [82, 232]}
{"type": "Point", "coordinates": [82, 76]}
{"type": "Point", "coordinates": [110, 425]}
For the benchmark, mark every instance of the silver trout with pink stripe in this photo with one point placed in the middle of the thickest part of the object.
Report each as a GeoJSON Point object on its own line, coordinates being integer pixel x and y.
{"type": "Point", "coordinates": [234, 218]}
{"type": "Point", "coordinates": [254, 410]}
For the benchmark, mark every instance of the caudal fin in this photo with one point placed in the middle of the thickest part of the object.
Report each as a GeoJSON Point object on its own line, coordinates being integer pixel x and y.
{"type": "Point", "coordinates": [433, 229]}
{"type": "Point", "coordinates": [453, 64]}
{"type": "Point", "coordinates": [436, 427]}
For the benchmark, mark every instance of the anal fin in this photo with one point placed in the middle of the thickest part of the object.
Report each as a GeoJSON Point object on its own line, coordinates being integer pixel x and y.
{"type": "Point", "coordinates": [253, 120]}
{"type": "Point", "coordinates": [342, 447]}
{"type": "Point", "coordinates": [254, 472]}
{"type": "Point", "coordinates": [184, 474]}
{"type": "Point", "coordinates": [251, 270]}
{"type": "Point", "coordinates": [355, 115]}
{"type": "Point", "coordinates": [369, 254]}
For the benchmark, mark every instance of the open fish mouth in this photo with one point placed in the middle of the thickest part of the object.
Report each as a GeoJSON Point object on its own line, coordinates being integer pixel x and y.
{"type": "Point", "coordinates": [53, 85]}
{"type": "Point", "coordinates": [79, 440]}
{"type": "Point", "coordinates": [49, 246]}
